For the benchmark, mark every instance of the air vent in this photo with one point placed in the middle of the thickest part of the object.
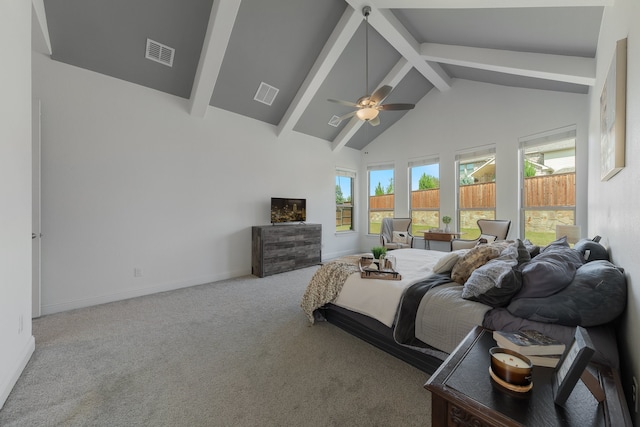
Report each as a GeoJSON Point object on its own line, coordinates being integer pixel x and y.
{"type": "Point", "coordinates": [266, 93]}
{"type": "Point", "coordinates": [160, 53]}
{"type": "Point", "coordinates": [335, 121]}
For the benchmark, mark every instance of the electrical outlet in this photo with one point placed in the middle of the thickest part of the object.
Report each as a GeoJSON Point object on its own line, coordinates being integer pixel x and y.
{"type": "Point", "coordinates": [137, 272]}
{"type": "Point", "coordinates": [634, 394]}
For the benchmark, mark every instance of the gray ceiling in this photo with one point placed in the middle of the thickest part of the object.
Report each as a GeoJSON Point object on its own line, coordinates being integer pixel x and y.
{"type": "Point", "coordinates": [312, 50]}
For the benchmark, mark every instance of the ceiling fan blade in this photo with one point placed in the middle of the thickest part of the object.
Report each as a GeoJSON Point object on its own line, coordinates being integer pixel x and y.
{"type": "Point", "coordinates": [375, 122]}
{"type": "Point", "coordinates": [379, 95]}
{"type": "Point", "coordinates": [395, 107]}
{"type": "Point", "coordinates": [346, 116]}
{"type": "Point", "coordinates": [347, 103]}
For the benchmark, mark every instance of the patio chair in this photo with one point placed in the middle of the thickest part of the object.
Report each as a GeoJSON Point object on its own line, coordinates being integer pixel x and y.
{"type": "Point", "coordinates": [490, 230]}
{"type": "Point", "coordinates": [395, 233]}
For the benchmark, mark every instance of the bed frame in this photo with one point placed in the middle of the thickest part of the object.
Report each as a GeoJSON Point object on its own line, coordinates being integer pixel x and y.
{"type": "Point", "coordinates": [379, 335]}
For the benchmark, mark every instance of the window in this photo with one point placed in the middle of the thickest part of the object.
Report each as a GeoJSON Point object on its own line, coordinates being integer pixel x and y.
{"type": "Point", "coordinates": [344, 200]}
{"type": "Point", "coordinates": [381, 199]}
{"type": "Point", "coordinates": [425, 195]}
{"type": "Point", "coordinates": [476, 185]}
{"type": "Point", "coordinates": [548, 183]}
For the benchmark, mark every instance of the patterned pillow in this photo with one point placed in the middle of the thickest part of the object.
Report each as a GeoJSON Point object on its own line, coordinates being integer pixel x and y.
{"type": "Point", "coordinates": [400, 237]}
{"type": "Point", "coordinates": [476, 257]}
{"type": "Point", "coordinates": [490, 238]}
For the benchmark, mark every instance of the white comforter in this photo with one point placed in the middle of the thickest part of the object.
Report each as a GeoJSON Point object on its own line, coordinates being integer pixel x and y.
{"type": "Point", "coordinates": [379, 299]}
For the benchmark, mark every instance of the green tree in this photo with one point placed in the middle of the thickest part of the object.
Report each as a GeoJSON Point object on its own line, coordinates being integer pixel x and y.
{"type": "Point", "coordinates": [529, 169]}
{"type": "Point", "coordinates": [466, 179]}
{"type": "Point", "coordinates": [339, 196]}
{"type": "Point", "coordinates": [379, 191]}
{"type": "Point", "coordinates": [389, 189]}
{"type": "Point", "coordinates": [428, 181]}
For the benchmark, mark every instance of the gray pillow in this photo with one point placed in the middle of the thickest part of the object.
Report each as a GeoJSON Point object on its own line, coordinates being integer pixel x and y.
{"type": "Point", "coordinates": [560, 243]}
{"type": "Point", "coordinates": [596, 295]}
{"type": "Point", "coordinates": [533, 249]}
{"type": "Point", "coordinates": [591, 250]}
{"type": "Point", "coordinates": [562, 252]}
{"type": "Point", "coordinates": [549, 272]}
{"type": "Point", "coordinates": [496, 282]}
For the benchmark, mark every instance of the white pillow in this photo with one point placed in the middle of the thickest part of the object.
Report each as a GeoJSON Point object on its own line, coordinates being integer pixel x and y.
{"type": "Point", "coordinates": [400, 237]}
{"type": "Point", "coordinates": [446, 263]}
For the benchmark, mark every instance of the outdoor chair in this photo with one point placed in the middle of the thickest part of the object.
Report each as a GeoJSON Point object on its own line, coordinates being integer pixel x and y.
{"type": "Point", "coordinates": [395, 233]}
{"type": "Point", "coordinates": [490, 230]}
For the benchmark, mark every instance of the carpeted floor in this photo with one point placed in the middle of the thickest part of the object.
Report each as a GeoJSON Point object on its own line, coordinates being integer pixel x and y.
{"type": "Point", "coordinates": [238, 352]}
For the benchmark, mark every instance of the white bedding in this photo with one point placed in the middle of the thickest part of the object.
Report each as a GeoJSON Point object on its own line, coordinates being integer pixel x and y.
{"type": "Point", "coordinates": [379, 299]}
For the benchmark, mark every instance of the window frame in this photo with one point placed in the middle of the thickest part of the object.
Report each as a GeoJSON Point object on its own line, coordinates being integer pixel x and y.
{"type": "Point", "coordinates": [423, 161]}
{"type": "Point", "coordinates": [464, 157]}
{"type": "Point", "coordinates": [386, 166]}
{"type": "Point", "coordinates": [347, 173]}
{"type": "Point", "coordinates": [537, 140]}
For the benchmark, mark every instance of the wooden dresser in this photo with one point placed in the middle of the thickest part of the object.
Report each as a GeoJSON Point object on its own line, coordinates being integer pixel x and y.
{"type": "Point", "coordinates": [280, 248]}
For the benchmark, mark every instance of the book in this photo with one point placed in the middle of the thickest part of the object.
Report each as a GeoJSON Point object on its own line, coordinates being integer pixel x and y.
{"type": "Point", "coordinates": [529, 343]}
{"type": "Point", "coordinates": [550, 361]}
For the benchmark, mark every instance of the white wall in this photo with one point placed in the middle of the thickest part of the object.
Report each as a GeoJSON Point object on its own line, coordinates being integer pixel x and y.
{"type": "Point", "coordinates": [614, 205]}
{"type": "Point", "coordinates": [473, 114]}
{"type": "Point", "coordinates": [16, 341]}
{"type": "Point", "coordinates": [131, 180]}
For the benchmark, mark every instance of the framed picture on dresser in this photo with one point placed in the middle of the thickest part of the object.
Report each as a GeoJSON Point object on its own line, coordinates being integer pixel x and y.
{"type": "Point", "coordinates": [572, 365]}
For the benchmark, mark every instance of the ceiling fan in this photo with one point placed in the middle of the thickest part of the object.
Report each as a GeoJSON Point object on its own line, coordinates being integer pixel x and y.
{"type": "Point", "coordinates": [369, 106]}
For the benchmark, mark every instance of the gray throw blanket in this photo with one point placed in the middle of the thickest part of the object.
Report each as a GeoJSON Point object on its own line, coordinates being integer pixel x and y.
{"type": "Point", "coordinates": [387, 229]}
{"type": "Point", "coordinates": [404, 332]}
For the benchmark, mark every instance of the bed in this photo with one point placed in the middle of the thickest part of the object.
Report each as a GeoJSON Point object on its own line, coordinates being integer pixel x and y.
{"type": "Point", "coordinates": [425, 315]}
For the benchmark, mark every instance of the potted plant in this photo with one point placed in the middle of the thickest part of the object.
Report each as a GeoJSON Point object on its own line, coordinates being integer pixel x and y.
{"type": "Point", "coordinates": [377, 251]}
{"type": "Point", "coordinates": [446, 220]}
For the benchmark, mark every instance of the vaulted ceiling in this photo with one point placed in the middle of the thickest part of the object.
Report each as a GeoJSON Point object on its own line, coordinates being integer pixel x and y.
{"type": "Point", "coordinates": [313, 50]}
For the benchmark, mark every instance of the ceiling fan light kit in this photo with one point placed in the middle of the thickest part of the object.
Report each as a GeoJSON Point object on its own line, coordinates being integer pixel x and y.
{"type": "Point", "coordinates": [367, 114]}
{"type": "Point", "coordinates": [369, 106]}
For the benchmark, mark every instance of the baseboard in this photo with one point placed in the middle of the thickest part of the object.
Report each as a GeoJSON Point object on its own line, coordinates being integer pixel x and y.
{"type": "Point", "coordinates": [12, 379]}
{"type": "Point", "coordinates": [134, 293]}
{"type": "Point", "coordinates": [338, 254]}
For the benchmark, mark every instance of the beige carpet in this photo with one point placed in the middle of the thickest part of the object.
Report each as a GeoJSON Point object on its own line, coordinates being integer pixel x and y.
{"type": "Point", "coordinates": [233, 353]}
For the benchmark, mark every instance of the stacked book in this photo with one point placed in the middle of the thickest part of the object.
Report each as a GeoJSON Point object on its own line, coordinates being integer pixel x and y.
{"type": "Point", "coordinates": [539, 348]}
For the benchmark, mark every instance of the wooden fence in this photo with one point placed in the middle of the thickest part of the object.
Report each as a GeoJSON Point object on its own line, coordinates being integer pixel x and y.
{"type": "Point", "coordinates": [540, 191]}
{"type": "Point", "coordinates": [343, 215]}
{"type": "Point", "coordinates": [551, 190]}
{"type": "Point", "coordinates": [381, 203]}
{"type": "Point", "coordinates": [425, 199]}
{"type": "Point", "coordinates": [478, 195]}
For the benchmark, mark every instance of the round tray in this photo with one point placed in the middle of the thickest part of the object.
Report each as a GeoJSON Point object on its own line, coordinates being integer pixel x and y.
{"type": "Point", "coordinates": [512, 387]}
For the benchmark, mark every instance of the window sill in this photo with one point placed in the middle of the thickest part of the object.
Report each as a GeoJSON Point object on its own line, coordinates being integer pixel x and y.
{"type": "Point", "coordinates": [345, 233]}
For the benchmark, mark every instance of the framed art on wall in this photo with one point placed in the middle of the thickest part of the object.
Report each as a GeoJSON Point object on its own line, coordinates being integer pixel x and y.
{"type": "Point", "coordinates": [613, 114]}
